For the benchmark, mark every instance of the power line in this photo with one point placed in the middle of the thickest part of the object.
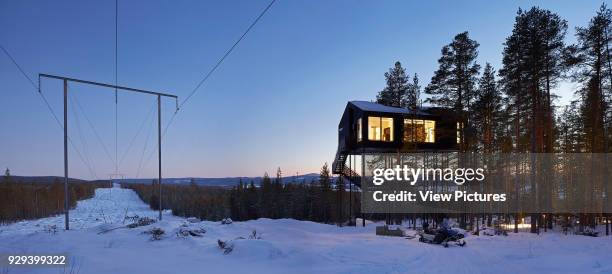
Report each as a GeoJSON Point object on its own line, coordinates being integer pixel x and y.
{"type": "Point", "coordinates": [137, 133]}
{"type": "Point", "coordinates": [146, 162]}
{"type": "Point", "coordinates": [219, 62]}
{"type": "Point", "coordinates": [39, 89]}
{"type": "Point", "coordinates": [144, 149]}
{"type": "Point", "coordinates": [106, 151]}
{"type": "Point", "coordinates": [227, 53]}
{"type": "Point", "coordinates": [82, 139]}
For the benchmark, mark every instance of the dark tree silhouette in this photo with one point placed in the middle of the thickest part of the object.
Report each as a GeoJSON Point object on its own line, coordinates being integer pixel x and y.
{"type": "Point", "coordinates": [488, 110]}
{"type": "Point", "coordinates": [413, 94]}
{"type": "Point", "coordinates": [394, 94]}
{"type": "Point", "coordinates": [453, 84]}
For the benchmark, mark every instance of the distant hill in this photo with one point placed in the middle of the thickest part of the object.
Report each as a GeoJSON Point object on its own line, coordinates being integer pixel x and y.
{"type": "Point", "coordinates": [227, 181]}
{"type": "Point", "coordinates": [223, 182]}
{"type": "Point", "coordinates": [41, 179]}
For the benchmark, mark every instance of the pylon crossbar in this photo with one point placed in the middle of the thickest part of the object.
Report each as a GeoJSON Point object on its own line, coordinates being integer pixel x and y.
{"type": "Point", "coordinates": [106, 85]}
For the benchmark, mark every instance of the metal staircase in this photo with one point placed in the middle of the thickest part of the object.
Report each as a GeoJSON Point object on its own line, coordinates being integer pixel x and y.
{"type": "Point", "coordinates": [339, 167]}
{"type": "Point", "coordinates": [339, 162]}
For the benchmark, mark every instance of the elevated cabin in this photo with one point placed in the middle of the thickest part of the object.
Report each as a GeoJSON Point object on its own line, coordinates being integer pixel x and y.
{"type": "Point", "coordinates": [368, 127]}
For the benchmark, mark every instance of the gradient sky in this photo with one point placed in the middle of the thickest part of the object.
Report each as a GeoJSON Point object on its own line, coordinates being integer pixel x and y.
{"type": "Point", "coordinates": [276, 101]}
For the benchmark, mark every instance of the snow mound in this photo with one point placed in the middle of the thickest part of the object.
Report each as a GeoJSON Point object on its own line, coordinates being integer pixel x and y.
{"type": "Point", "coordinates": [255, 250]}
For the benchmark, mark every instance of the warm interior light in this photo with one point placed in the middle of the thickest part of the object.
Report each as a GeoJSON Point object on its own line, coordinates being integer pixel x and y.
{"type": "Point", "coordinates": [519, 226]}
{"type": "Point", "coordinates": [458, 132]}
{"type": "Point", "coordinates": [387, 129]}
{"type": "Point", "coordinates": [380, 129]}
{"type": "Point", "coordinates": [420, 131]}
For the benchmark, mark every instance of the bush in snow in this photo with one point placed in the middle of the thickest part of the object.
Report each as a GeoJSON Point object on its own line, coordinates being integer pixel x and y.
{"type": "Point", "coordinates": [254, 235]}
{"type": "Point", "coordinates": [144, 221]}
{"type": "Point", "coordinates": [156, 233]}
{"type": "Point", "coordinates": [226, 246]}
{"type": "Point", "coordinates": [193, 220]}
{"type": "Point", "coordinates": [185, 232]}
{"type": "Point", "coordinates": [226, 221]}
{"type": "Point", "coordinates": [132, 219]}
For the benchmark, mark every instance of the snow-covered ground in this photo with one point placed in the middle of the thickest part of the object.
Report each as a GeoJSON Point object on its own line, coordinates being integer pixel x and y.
{"type": "Point", "coordinates": [286, 246]}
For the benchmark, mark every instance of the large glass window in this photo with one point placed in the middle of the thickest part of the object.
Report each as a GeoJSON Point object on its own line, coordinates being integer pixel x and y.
{"type": "Point", "coordinates": [380, 129]}
{"type": "Point", "coordinates": [387, 129]}
{"type": "Point", "coordinates": [419, 131]}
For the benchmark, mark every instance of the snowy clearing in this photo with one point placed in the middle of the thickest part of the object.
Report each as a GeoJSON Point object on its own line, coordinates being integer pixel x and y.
{"type": "Point", "coordinates": [285, 246]}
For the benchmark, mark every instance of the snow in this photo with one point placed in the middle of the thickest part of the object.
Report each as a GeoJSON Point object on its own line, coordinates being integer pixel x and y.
{"type": "Point", "coordinates": [286, 246]}
{"type": "Point", "coordinates": [108, 206]}
{"type": "Point", "coordinates": [371, 106]}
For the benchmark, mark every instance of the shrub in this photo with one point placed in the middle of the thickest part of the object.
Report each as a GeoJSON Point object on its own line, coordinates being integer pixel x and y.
{"type": "Point", "coordinates": [156, 233]}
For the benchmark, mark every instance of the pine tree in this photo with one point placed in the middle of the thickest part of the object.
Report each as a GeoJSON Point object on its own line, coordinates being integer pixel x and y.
{"type": "Point", "coordinates": [279, 200]}
{"type": "Point", "coordinates": [394, 94]}
{"type": "Point", "coordinates": [266, 197]}
{"type": "Point", "coordinates": [593, 71]}
{"type": "Point", "coordinates": [570, 129]}
{"type": "Point", "coordinates": [554, 30]}
{"type": "Point", "coordinates": [340, 199]}
{"type": "Point", "coordinates": [325, 193]}
{"type": "Point", "coordinates": [7, 175]}
{"type": "Point", "coordinates": [512, 80]}
{"type": "Point", "coordinates": [487, 109]}
{"type": "Point", "coordinates": [532, 64]}
{"type": "Point", "coordinates": [252, 202]}
{"type": "Point", "coordinates": [234, 204]}
{"type": "Point", "coordinates": [413, 94]}
{"type": "Point", "coordinates": [453, 84]}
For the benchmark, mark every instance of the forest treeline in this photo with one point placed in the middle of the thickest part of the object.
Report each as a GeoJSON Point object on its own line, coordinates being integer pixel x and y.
{"type": "Point", "coordinates": [192, 200]}
{"type": "Point", "coordinates": [514, 109]}
{"type": "Point", "coordinates": [32, 200]}
{"type": "Point", "coordinates": [323, 200]}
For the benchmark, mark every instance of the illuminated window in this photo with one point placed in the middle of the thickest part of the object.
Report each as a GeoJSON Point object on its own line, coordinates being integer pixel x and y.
{"type": "Point", "coordinates": [358, 130]}
{"type": "Point", "coordinates": [419, 131]}
{"type": "Point", "coordinates": [458, 132]}
{"type": "Point", "coordinates": [380, 129]}
{"type": "Point", "coordinates": [387, 129]}
{"type": "Point", "coordinates": [430, 131]}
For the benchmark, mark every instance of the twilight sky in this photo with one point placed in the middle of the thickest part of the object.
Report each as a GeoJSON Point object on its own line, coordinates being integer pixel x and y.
{"type": "Point", "coordinates": [276, 101]}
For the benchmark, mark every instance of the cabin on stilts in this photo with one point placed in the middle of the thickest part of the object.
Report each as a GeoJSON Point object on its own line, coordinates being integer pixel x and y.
{"type": "Point", "coordinates": [371, 128]}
